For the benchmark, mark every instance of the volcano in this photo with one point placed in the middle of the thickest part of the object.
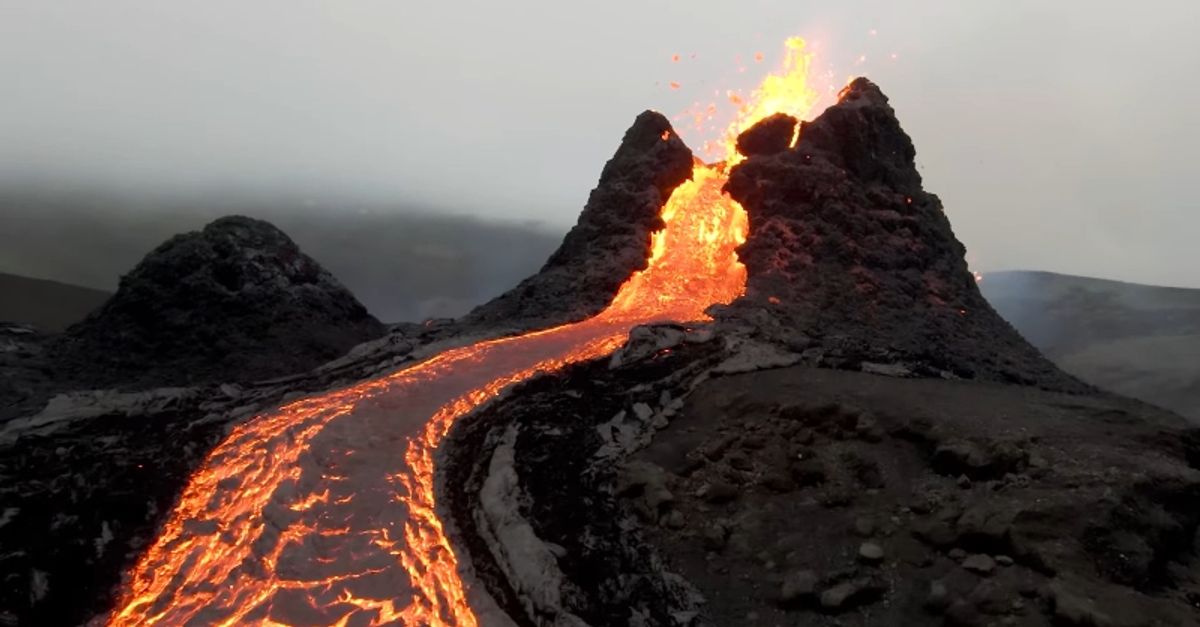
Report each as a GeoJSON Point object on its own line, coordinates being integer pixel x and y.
{"type": "Point", "coordinates": [759, 391]}
{"type": "Point", "coordinates": [857, 439]}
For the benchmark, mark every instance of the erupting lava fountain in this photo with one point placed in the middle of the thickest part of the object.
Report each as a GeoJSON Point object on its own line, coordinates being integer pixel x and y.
{"type": "Point", "coordinates": [309, 514]}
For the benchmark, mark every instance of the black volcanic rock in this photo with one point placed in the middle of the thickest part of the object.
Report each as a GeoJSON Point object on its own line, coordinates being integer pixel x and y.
{"type": "Point", "coordinates": [846, 248]}
{"type": "Point", "coordinates": [237, 301]}
{"type": "Point", "coordinates": [770, 135]}
{"type": "Point", "coordinates": [611, 240]}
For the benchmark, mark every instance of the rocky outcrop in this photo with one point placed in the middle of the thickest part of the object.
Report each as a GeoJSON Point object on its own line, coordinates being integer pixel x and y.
{"type": "Point", "coordinates": [236, 301]}
{"type": "Point", "coordinates": [610, 242]}
{"type": "Point", "coordinates": [771, 135]}
{"type": "Point", "coordinates": [849, 256]}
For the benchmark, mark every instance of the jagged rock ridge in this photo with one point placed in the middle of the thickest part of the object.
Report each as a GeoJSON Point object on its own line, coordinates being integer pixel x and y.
{"type": "Point", "coordinates": [611, 240]}
{"type": "Point", "coordinates": [236, 301]}
{"type": "Point", "coordinates": [847, 252]}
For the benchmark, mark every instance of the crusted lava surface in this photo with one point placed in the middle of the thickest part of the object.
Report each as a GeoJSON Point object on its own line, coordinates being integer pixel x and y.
{"type": "Point", "coordinates": [849, 256]}
{"type": "Point", "coordinates": [610, 242]}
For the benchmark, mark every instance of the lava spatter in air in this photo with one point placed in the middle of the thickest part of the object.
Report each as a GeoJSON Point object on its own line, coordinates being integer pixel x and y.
{"type": "Point", "coordinates": [323, 511]}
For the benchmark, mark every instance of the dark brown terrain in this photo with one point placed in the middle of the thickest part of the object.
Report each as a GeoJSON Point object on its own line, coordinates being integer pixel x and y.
{"type": "Point", "coordinates": [860, 440]}
{"type": "Point", "coordinates": [814, 497]}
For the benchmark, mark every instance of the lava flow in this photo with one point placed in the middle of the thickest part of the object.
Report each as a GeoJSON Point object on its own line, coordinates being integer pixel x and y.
{"type": "Point", "coordinates": [308, 514]}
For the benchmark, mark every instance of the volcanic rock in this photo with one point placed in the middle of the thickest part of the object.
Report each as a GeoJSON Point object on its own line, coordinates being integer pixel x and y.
{"type": "Point", "coordinates": [610, 241]}
{"type": "Point", "coordinates": [980, 564]}
{"type": "Point", "coordinates": [798, 586]}
{"type": "Point", "coordinates": [845, 247]}
{"type": "Point", "coordinates": [236, 301]}
{"type": "Point", "coordinates": [851, 593]}
{"type": "Point", "coordinates": [938, 597]}
{"type": "Point", "coordinates": [775, 458]}
{"type": "Point", "coordinates": [870, 553]}
{"type": "Point", "coordinates": [771, 135]}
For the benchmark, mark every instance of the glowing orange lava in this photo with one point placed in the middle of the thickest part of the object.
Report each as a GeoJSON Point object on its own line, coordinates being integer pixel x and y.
{"type": "Point", "coordinates": [293, 518]}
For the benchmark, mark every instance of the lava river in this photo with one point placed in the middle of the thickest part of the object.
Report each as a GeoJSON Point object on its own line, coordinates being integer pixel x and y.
{"type": "Point", "coordinates": [322, 511]}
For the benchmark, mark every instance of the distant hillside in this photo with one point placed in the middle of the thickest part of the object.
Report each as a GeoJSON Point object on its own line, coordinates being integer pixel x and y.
{"type": "Point", "coordinates": [47, 305]}
{"type": "Point", "coordinates": [404, 263]}
{"type": "Point", "coordinates": [1138, 340]}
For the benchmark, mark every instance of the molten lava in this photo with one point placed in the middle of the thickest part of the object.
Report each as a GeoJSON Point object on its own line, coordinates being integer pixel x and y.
{"type": "Point", "coordinates": [308, 514]}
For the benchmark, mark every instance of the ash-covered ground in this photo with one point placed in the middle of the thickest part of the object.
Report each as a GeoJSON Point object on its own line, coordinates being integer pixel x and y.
{"type": "Point", "coordinates": [859, 440]}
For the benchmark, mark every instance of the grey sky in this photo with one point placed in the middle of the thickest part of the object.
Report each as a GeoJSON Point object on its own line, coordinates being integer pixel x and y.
{"type": "Point", "coordinates": [1061, 135]}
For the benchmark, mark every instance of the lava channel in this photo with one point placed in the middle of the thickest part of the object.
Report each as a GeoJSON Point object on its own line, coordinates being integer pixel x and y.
{"type": "Point", "coordinates": [310, 514]}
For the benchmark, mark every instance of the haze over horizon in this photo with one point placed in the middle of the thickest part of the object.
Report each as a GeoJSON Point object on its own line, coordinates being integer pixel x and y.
{"type": "Point", "coordinates": [1058, 136]}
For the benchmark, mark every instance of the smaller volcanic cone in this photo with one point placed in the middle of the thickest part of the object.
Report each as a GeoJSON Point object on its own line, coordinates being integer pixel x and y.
{"type": "Point", "coordinates": [237, 301]}
{"type": "Point", "coordinates": [611, 240]}
{"type": "Point", "coordinates": [848, 253]}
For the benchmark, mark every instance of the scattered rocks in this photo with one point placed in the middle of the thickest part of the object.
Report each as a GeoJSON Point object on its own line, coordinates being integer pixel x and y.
{"type": "Point", "coordinates": [937, 533]}
{"type": "Point", "coordinates": [837, 596]}
{"type": "Point", "coordinates": [979, 564]}
{"type": "Point", "coordinates": [938, 598]}
{"type": "Point", "coordinates": [978, 461]}
{"type": "Point", "coordinates": [798, 586]}
{"type": "Point", "coordinates": [715, 536]}
{"type": "Point", "coordinates": [870, 553]}
{"type": "Point", "coordinates": [807, 471]}
{"type": "Point", "coordinates": [740, 461]}
{"type": "Point", "coordinates": [853, 593]}
{"type": "Point", "coordinates": [719, 491]}
{"type": "Point", "coordinates": [778, 481]}
{"type": "Point", "coordinates": [868, 428]}
{"type": "Point", "coordinates": [714, 451]}
{"type": "Point", "coordinates": [647, 484]}
{"type": "Point", "coordinates": [987, 524]}
{"type": "Point", "coordinates": [1072, 608]}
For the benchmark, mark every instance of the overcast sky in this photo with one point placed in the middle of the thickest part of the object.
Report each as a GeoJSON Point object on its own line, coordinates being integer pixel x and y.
{"type": "Point", "coordinates": [1060, 135]}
